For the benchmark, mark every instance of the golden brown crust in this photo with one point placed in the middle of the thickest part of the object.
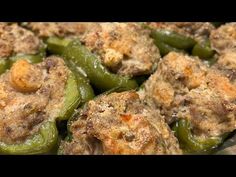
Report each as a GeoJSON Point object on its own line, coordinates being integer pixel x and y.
{"type": "Point", "coordinates": [194, 92]}
{"type": "Point", "coordinates": [223, 39]}
{"type": "Point", "coordinates": [60, 29]}
{"type": "Point", "coordinates": [210, 113]}
{"type": "Point", "coordinates": [125, 48]}
{"type": "Point", "coordinates": [226, 64]}
{"type": "Point", "coordinates": [15, 39]}
{"type": "Point", "coordinates": [124, 125]}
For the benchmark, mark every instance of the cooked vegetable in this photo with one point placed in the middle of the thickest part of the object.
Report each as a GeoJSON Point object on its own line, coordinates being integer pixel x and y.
{"type": "Point", "coordinates": [98, 75]}
{"type": "Point", "coordinates": [192, 144]}
{"type": "Point", "coordinates": [4, 65]}
{"type": "Point", "coordinates": [85, 89]}
{"type": "Point", "coordinates": [56, 45]}
{"type": "Point", "coordinates": [41, 142]}
{"type": "Point", "coordinates": [66, 105]}
{"type": "Point", "coordinates": [203, 50]}
{"type": "Point", "coordinates": [173, 39]}
{"type": "Point", "coordinates": [46, 138]}
{"type": "Point", "coordinates": [30, 58]}
{"type": "Point", "coordinates": [165, 48]}
{"type": "Point", "coordinates": [72, 98]}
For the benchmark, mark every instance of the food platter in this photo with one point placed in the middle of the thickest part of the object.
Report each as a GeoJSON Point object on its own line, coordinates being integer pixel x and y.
{"type": "Point", "coordinates": [76, 88]}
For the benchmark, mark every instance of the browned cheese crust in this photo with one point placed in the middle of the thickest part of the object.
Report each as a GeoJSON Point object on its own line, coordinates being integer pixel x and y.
{"type": "Point", "coordinates": [124, 48]}
{"type": "Point", "coordinates": [183, 87]}
{"type": "Point", "coordinates": [60, 29]}
{"type": "Point", "coordinates": [119, 123]}
{"type": "Point", "coordinates": [223, 39]}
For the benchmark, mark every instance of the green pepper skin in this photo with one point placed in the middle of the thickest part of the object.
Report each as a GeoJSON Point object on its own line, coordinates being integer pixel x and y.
{"type": "Point", "coordinates": [46, 139]}
{"type": "Point", "coordinates": [56, 45]}
{"type": "Point", "coordinates": [173, 39]}
{"type": "Point", "coordinates": [192, 144]}
{"type": "Point", "coordinates": [203, 50]}
{"type": "Point", "coordinates": [84, 87]}
{"type": "Point", "coordinates": [4, 65]}
{"type": "Point", "coordinates": [72, 98]}
{"type": "Point", "coordinates": [40, 143]}
{"type": "Point", "coordinates": [30, 58]}
{"type": "Point", "coordinates": [165, 48]}
{"type": "Point", "coordinates": [98, 75]}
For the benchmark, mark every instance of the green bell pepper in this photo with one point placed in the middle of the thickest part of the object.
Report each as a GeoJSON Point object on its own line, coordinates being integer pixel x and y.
{"type": "Point", "coordinates": [191, 143]}
{"type": "Point", "coordinates": [45, 140]}
{"type": "Point", "coordinates": [56, 45]}
{"type": "Point", "coordinates": [30, 58]}
{"type": "Point", "coordinates": [173, 39]}
{"type": "Point", "coordinates": [4, 65]}
{"type": "Point", "coordinates": [98, 75]}
{"type": "Point", "coordinates": [72, 98]}
{"type": "Point", "coordinates": [41, 142]}
{"type": "Point", "coordinates": [165, 48]}
{"type": "Point", "coordinates": [84, 87]}
{"type": "Point", "coordinates": [203, 50]}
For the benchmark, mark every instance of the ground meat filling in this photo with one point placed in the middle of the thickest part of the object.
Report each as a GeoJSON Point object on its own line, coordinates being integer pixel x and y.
{"type": "Point", "coordinates": [226, 64]}
{"type": "Point", "coordinates": [191, 91]}
{"type": "Point", "coordinates": [29, 95]}
{"type": "Point", "coordinates": [60, 29]}
{"type": "Point", "coordinates": [223, 39]}
{"type": "Point", "coordinates": [124, 48]}
{"type": "Point", "coordinates": [15, 40]}
{"type": "Point", "coordinates": [122, 124]}
{"type": "Point", "coordinates": [175, 76]}
{"type": "Point", "coordinates": [197, 30]}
